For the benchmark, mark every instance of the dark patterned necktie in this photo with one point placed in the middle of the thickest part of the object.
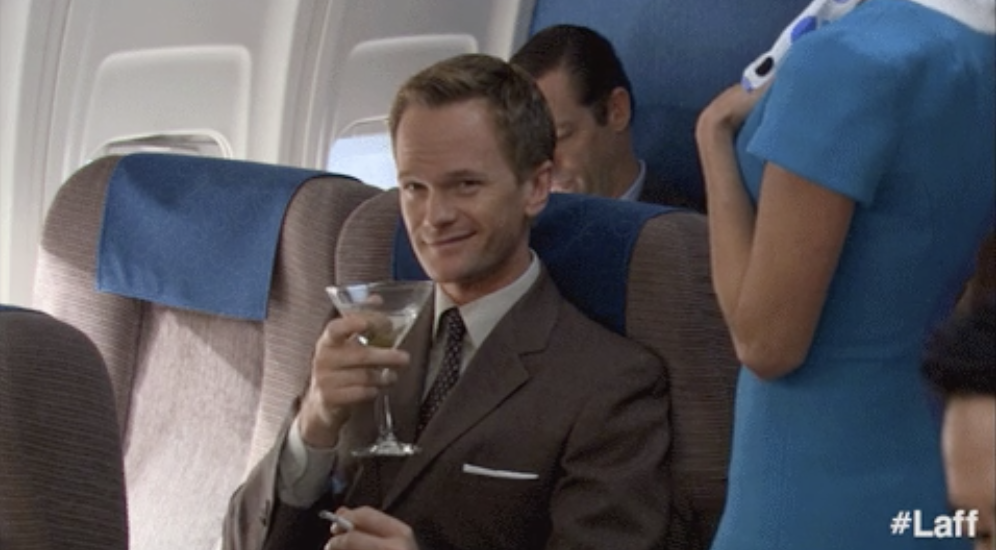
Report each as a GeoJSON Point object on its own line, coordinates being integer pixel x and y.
{"type": "Point", "coordinates": [449, 371]}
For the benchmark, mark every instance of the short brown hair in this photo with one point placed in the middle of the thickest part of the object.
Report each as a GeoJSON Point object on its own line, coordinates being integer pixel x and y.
{"type": "Point", "coordinates": [525, 126]}
{"type": "Point", "coordinates": [589, 60]}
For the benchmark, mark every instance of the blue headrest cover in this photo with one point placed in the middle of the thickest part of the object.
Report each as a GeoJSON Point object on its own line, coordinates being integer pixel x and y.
{"type": "Point", "coordinates": [195, 232]}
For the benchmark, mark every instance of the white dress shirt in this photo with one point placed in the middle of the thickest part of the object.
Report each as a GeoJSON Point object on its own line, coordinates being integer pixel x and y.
{"type": "Point", "coordinates": [636, 188]}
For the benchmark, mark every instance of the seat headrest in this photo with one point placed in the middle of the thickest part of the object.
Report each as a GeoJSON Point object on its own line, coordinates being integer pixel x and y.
{"type": "Point", "coordinates": [195, 232]}
{"type": "Point", "coordinates": [585, 242]}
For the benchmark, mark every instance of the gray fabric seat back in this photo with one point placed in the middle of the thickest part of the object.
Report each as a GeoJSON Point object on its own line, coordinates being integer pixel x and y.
{"type": "Point", "coordinates": [200, 397]}
{"type": "Point", "coordinates": [61, 472]}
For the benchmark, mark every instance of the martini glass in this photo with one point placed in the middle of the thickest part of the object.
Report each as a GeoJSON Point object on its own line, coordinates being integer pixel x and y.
{"type": "Point", "coordinates": [390, 308]}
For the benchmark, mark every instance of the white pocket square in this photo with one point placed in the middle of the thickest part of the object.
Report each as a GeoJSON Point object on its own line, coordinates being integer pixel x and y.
{"type": "Point", "coordinates": [501, 474]}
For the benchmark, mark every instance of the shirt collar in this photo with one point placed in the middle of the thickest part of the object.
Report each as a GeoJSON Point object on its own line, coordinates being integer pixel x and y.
{"type": "Point", "coordinates": [635, 188]}
{"type": "Point", "coordinates": [482, 315]}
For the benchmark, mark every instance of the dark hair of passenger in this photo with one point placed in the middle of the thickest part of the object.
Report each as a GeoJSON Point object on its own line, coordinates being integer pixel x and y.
{"type": "Point", "coordinates": [521, 116]}
{"type": "Point", "coordinates": [961, 357]}
{"type": "Point", "coordinates": [587, 56]}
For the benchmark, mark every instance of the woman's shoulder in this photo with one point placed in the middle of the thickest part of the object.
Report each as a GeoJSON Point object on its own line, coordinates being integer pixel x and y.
{"type": "Point", "coordinates": [888, 36]}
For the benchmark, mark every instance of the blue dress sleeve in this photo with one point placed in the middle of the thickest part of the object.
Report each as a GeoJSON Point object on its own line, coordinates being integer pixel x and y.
{"type": "Point", "coordinates": [833, 115]}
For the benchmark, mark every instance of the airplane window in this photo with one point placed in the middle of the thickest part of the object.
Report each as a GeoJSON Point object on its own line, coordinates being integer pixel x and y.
{"type": "Point", "coordinates": [204, 144]}
{"type": "Point", "coordinates": [364, 152]}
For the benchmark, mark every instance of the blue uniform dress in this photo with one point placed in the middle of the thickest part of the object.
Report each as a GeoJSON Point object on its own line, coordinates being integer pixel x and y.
{"type": "Point", "coordinates": [892, 106]}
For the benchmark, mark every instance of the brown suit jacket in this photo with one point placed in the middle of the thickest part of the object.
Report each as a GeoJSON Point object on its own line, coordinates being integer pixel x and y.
{"type": "Point", "coordinates": [549, 393]}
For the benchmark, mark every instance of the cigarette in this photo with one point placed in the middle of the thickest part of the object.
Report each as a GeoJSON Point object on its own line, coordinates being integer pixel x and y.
{"type": "Point", "coordinates": [342, 522]}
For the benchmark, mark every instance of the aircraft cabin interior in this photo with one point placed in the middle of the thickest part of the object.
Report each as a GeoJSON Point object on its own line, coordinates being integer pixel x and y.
{"type": "Point", "coordinates": [160, 408]}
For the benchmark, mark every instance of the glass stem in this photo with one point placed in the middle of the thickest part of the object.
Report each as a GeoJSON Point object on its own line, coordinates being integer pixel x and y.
{"type": "Point", "coordinates": [386, 420]}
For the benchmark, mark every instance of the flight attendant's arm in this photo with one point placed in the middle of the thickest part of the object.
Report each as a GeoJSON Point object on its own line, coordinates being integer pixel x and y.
{"type": "Point", "coordinates": [771, 267]}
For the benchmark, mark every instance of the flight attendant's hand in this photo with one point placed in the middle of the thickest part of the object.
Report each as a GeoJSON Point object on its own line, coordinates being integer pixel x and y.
{"type": "Point", "coordinates": [729, 109]}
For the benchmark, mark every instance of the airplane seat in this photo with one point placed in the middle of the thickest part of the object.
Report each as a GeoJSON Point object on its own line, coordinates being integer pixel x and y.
{"type": "Point", "coordinates": [672, 309]}
{"type": "Point", "coordinates": [661, 296]}
{"type": "Point", "coordinates": [207, 343]}
{"type": "Point", "coordinates": [678, 56]}
{"type": "Point", "coordinates": [61, 472]}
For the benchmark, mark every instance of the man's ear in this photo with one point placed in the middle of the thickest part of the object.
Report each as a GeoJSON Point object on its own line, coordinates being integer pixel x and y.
{"type": "Point", "coordinates": [539, 188]}
{"type": "Point", "coordinates": [619, 112]}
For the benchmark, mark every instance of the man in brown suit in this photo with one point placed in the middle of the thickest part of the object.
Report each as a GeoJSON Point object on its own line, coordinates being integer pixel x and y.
{"type": "Point", "coordinates": [555, 434]}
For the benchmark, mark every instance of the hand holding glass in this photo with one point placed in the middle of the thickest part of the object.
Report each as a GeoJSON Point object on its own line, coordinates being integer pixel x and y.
{"type": "Point", "coordinates": [390, 309]}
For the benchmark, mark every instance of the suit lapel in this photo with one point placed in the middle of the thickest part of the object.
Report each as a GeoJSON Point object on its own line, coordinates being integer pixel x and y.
{"type": "Point", "coordinates": [494, 374]}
